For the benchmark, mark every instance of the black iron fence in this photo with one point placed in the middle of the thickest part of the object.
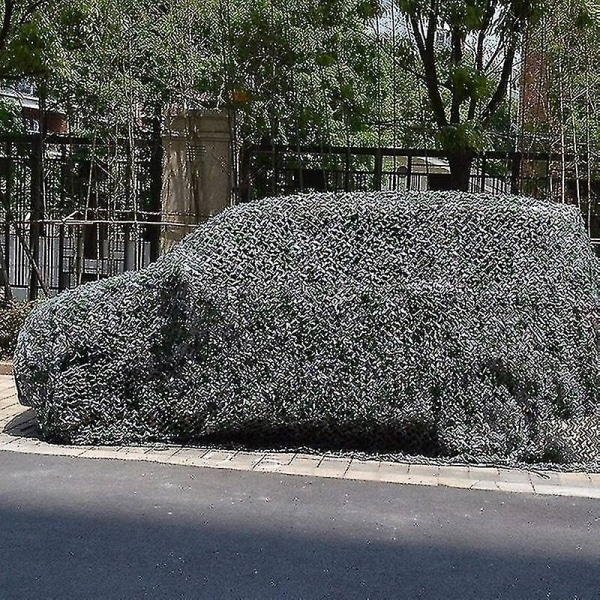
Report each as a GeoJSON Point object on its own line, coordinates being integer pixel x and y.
{"type": "Point", "coordinates": [75, 210]}
{"type": "Point", "coordinates": [275, 170]}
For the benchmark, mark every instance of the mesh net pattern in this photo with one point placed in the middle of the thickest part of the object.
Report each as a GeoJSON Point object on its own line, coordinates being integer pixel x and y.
{"type": "Point", "coordinates": [440, 323]}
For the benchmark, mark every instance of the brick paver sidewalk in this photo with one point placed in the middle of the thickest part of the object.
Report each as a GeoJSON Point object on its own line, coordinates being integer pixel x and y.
{"type": "Point", "coordinates": [18, 433]}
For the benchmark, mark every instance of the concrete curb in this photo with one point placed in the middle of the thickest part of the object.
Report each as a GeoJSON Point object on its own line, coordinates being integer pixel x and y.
{"type": "Point", "coordinates": [17, 423]}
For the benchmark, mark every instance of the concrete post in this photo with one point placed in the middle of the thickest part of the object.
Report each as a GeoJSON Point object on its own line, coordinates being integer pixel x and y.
{"type": "Point", "coordinates": [196, 183]}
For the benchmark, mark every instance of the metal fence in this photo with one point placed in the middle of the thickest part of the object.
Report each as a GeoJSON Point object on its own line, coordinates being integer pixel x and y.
{"type": "Point", "coordinates": [76, 210]}
{"type": "Point", "coordinates": [81, 210]}
{"type": "Point", "coordinates": [275, 170]}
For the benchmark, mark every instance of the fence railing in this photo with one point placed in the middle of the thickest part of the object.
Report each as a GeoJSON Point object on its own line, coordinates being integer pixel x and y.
{"type": "Point", "coordinates": [275, 170]}
{"type": "Point", "coordinates": [75, 210]}
{"type": "Point", "coordinates": [84, 210]}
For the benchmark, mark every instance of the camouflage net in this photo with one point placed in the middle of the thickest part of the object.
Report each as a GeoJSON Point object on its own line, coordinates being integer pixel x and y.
{"type": "Point", "coordinates": [445, 324]}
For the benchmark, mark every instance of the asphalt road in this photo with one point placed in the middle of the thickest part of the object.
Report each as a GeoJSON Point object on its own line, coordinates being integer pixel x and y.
{"type": "Point", "coordinates": [84, 529]}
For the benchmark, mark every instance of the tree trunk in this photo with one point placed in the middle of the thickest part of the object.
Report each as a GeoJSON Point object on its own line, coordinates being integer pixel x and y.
{"type": "Point", "coordinates": [460, 169]}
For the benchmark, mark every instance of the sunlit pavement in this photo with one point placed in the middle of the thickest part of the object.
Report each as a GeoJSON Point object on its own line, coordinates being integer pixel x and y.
{"type": "Point", "coordinates": [114, 529]}
{"type": "Point", "coordinates": [19, 434]}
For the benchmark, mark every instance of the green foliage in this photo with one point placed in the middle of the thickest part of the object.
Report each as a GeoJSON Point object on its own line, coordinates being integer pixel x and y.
{"type": "Point", "coordinates": [24, 41]}
{"type": "Point", "coordinates": [302, 73]}
{"type": "Point", "coordinates": [567, 41]}
{"type": "Point", "coordinates": [122, 61]}
{"type": "Point", "coordinates": [10, 117]}
{"type": "Point", "coordinates": [455, 138]}
{"type": "Point", "coordinates": [308, 73]}
{"type": "Point", "coordinates": [466, 81]}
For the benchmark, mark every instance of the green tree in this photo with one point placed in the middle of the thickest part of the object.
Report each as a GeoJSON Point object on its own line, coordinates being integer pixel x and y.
{"type": "Point", "coordinates": [23, 38]}
{"type": "Point", "coordinates": [464, 52]}
{"type": "Point", "coordinates": [123, 61]}
{"type": "Point", "coordinates": [301, 73]}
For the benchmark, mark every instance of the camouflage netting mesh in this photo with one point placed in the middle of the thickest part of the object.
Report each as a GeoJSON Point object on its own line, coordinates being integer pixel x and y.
{"type": "Point", "coordinates": [446, 324]}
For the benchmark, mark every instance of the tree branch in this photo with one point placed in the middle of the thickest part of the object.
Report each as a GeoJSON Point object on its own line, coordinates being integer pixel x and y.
{"type": "Point", "coordinates": [412, 71]}
{"type": "Point", "coordinates": [456, 56]}
{"type": "Point", "coordinates": [425, 42]}
{"type": "Point", "coordinates": [502, 87]}
{"type": "Point", "coordinates": [483, 33]}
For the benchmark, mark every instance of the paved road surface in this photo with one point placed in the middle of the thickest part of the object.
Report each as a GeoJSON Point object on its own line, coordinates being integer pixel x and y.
{"type": "Point", "coordinates": [73, 528]}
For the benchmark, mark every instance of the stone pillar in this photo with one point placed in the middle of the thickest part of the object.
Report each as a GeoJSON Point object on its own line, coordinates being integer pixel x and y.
{"type": "Point", "coordinates": [196, 183]}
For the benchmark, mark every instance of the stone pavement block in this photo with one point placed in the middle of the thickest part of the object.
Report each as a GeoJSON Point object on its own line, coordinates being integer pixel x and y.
{"type": "Point", "coordinates": [595, 477]}
{"type": "Point", "coordinates": [366, 466]}
{"type": "Point", "coordinates": [394, 472]}
{"type": "Point", "coordinates": [161, 455]}
{"type": "Point", "coordinates": [396, 467]}
{"type": "Point", "coordinates": [333, 467]}
{"type": "Point", "coordinates": [245, 461]}
{"type": "Point", "coordinates": [24, 445]}
{"type": "Point", "coordinates": [4, 421]}
{"type": "Point", "coordinates": [100, 452]}
{"type": "Point", "coordinates": [545, 478]}
{"type": "Point", "coordinates": [556, 490]}
{"type": "Point", "coordinates": [566, 484]}
{"type": "Point", "coordinates": [8, 410]}
{"type": "Point", "coordinates": [483, 473]}
{"type": "Point", "coordinates": [213, 457]}
{"type": "Point", "coordinates": [132, 452]}
{"type": "Point", "coordinates": [454, 482]}
{"type": "Point", "coordinates": [11, 409]}
{"type": "Point", "coordinates": [484, 484]}
{"type": "Point", "coordinates": [484, 478]}
{"type": "Point", "coordinates": [575, 480]}
{"type": "Point", "coordinates": [198, 457]}
{"type": "Point", "coordinates": [301, 465]}
{"type": "Point", "coordinates": [423, 474]}
{"type": "Point", "coordinates": [7, 415]}
{"type": "Point", "coordinates": [5, 439]}
{"type": "Point", "coordinates": [545, 481]}
{"type": "Point", "coordinates": [273, 462]}
{"type": "Point", "coordinates": [454, 477]}
{"type": "Point", "coordinates": [363, 470]}
{"type": "Point", "coordinates": [455, 471]}
{"type": "Point", "coordinates": [514, 476]}
{"type": "Point", "coordinates": [523, 487]}
{"type": "Point", "coordinates": [62, 450]}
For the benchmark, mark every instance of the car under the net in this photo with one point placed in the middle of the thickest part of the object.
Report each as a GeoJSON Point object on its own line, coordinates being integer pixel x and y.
{"type": "Point", "coordinates": [442, 323]}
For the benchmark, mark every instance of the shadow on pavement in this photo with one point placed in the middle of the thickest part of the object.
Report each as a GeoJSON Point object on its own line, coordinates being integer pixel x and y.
{"type": "Point", "coordinates": [75, 529]}
{"type": "Point", "coordinates": [60, 555]}
{"type": "Point", "coordinates": [24, 425]}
